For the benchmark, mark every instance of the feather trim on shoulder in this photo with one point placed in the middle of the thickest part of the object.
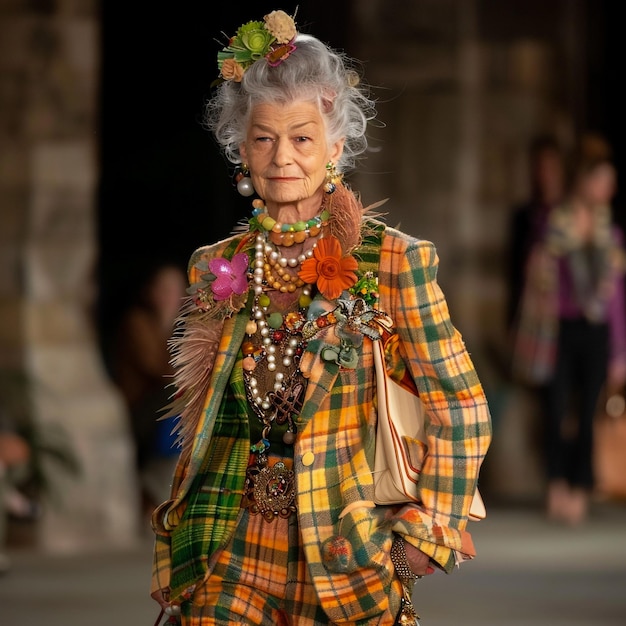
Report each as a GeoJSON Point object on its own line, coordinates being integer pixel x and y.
{"type": "Point", "coordinates": [197, 333]}
{"type": "Point", "coordinates": [348, 219]}
{"type": "Point", "coordinates": [193, 347]}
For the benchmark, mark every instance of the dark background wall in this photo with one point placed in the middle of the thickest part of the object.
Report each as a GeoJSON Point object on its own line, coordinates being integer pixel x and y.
{"type": "Point", "coordinates": [605, 98]}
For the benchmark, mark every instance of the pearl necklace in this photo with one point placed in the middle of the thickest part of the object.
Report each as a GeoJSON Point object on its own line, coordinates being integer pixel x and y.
{"type": "Point", "coordinates": [279, 336]}
{"type": "Point", "coordinates": [281, 344]}
{"type": "Point", "coordinates": [271, 267]}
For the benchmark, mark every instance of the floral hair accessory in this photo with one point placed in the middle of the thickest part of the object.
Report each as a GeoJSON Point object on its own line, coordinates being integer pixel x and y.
{"type": "Point", "coordinates": [271, 39]}
{"type": "Point", "coordinates": [331, 271]}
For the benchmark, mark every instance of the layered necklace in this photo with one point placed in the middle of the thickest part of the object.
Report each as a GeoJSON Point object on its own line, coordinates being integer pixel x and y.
{"type": "Point", "coordinates": [271, 357]}
{"type": "Point", "coordinates": [288, 234]}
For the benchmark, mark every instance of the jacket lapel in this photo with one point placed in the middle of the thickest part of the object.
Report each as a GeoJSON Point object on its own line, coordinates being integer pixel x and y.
{"type": "Point", "coordinates": [321, 376]}
{"type": "Point", "coordinates": [232, 337]}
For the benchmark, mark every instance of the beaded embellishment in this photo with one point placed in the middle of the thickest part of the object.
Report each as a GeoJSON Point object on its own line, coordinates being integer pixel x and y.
{"type": "Point", "coordinates": [287, 234]}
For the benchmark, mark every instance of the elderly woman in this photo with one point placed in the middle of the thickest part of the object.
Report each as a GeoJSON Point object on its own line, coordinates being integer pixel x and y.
{"type": "Point", "coordinates": [273, 518]}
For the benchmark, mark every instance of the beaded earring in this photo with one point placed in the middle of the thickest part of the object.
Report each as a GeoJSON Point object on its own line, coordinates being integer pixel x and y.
{"type": "Point", "coordinates": [243, 180]}
{"type": "Point", "coordinates": [333, 177]}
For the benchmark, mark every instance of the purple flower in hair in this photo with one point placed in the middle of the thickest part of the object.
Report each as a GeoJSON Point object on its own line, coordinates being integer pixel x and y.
{"type": "Point", "coordinates": [230, 276]}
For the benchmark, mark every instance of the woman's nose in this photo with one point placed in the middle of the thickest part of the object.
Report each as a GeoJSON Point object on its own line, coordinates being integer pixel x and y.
{"type": "Point", "coordinates": [282, 152]}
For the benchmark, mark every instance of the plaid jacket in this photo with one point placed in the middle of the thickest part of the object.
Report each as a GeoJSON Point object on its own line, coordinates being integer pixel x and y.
{"type": "Point", "coordinates": [346, 538]}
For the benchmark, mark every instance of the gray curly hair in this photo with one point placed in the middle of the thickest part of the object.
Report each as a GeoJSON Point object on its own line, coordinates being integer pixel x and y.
{"type": "Point", "coordinates": [312, 72]}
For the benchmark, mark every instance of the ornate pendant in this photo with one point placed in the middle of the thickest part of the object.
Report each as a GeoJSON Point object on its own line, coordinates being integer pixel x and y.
{"type": "Point", "coordinates": [288, 402]}
{"type": "Point", "coordinates": [270, 491]}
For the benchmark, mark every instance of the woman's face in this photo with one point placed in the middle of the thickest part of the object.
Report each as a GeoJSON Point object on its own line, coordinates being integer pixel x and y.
{"type": "Point", "coordinates": [598, 186]}
{"type": "Point", "coordinates": [167, 290]}
{"type": "Point", "coordinates": [286, 151]}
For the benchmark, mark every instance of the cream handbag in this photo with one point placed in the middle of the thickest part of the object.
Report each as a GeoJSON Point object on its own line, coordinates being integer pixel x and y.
{"type": "Point", "coordinates": [401, 442]}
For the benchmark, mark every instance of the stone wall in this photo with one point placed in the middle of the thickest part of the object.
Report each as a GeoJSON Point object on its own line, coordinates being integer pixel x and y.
{"type": "Point", "coordinates": [49, 78]}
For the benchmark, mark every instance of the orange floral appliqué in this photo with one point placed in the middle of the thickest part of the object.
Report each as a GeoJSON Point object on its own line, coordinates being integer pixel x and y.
{"type": "Point", "coordinates": [331, 271]}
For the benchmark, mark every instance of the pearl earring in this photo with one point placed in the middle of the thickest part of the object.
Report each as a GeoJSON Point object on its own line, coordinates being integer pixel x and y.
{"type": "Point", "coordinates": [243, 180]}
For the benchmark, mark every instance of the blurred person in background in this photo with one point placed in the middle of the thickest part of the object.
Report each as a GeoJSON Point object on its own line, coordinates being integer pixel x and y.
{"type": "Point", "coordinates": [571, 334]}
{"type": "Point", "coordinates": [546, 170]}
{"type": "Point", "coordinates": [141, 369]}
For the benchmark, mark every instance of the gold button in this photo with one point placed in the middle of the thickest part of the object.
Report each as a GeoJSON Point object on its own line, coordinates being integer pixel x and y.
{"type": "Point", "coordinates": [308, 458]}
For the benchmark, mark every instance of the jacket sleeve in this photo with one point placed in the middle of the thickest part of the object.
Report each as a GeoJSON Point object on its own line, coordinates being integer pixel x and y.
{"type": "Point", "coordinates": [161, 564]}
{"type": "Point", "coordinates": [458, 422]}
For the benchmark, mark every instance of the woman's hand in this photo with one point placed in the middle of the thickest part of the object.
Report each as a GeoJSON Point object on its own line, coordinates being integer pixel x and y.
{"type": "Point", "coordinates": [162, 597]}
{"type": "Point", "coordinates": [419, 562]}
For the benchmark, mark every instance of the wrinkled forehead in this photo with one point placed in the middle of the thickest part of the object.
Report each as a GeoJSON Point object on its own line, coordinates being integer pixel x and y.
{"type": "Point", "coordinates": [297, 112]}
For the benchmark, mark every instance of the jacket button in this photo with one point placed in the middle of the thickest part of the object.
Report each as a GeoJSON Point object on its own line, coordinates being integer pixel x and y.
{"type": "Point", "coordinates": [307, 459]}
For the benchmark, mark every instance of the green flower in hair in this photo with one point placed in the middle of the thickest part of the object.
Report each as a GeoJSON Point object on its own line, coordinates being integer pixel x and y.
{"type": "Point", "coordinates": [271, 39]}
{"type": "Point", "coordinates": [256, 40]}
{"type": "Point", "coordinates": [251, 43]}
